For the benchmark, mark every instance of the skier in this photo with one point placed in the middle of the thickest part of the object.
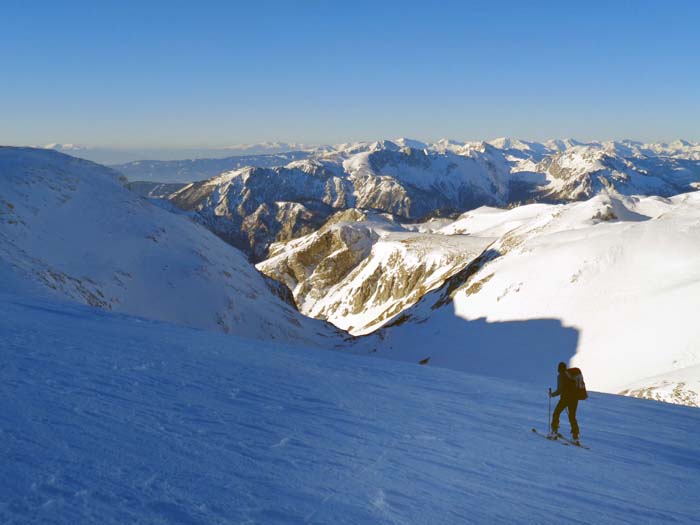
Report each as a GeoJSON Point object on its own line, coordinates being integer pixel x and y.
{"type": "Point", "coordinates": [566, 388]}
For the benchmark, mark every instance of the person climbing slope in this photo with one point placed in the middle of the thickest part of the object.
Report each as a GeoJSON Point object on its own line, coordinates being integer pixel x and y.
{"type": "Point", "coordinates": [570, 388]}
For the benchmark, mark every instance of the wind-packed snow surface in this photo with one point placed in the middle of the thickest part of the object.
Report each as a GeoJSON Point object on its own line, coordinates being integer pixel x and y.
{"type": "Point", "coordinates": [115, 419]}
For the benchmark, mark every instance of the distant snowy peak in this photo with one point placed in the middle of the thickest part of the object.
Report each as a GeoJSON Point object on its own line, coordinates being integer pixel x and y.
{"type": "Point", "coordinates": [410, 143]}
{"type": "Point", "coordinates": [269, 148]}
{"type": "Point", "coordinates": [193, 170]}
{"type": "Point", "coordinates": [455, 147]}
{"type": "Point", "coordinates": [416, 180]}
{"type": "Point", "coordinates": [681, 149]}
{"type": "Point", "coordinates": [580, 172]}
{"type": "Point", "coordinates": [562, 144]}
{"type": "Point", "coordinates": [72, 148]}
{"type": "Point", "coordinates": [517, 144]}
{"type": "Point", "coordinates": [199, 164]}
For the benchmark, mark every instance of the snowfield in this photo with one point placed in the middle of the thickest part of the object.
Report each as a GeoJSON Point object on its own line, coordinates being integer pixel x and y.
{"type": "Point", "coordinates": [115, 419]}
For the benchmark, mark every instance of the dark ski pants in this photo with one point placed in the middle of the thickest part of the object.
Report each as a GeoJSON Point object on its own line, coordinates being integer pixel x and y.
{"type": "Point", "coordinates": [571, 405]}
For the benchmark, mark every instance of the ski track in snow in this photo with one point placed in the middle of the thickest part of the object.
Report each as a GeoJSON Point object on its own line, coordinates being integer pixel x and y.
{"type": "Point", "coordinates": [113, 419]}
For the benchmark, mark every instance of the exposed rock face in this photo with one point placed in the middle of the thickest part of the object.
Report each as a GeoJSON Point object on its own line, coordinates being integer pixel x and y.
{"type": "Point", "coordinates": [253, 207]}
{"type": "Point", "coordinates": [360, 270]}
{"type": "Point", "coordinates": [677, 393]}
{"type": "Point", "coordinates": [311, 265]}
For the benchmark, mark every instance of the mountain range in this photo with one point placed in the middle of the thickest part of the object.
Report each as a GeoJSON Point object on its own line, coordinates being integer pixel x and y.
{"type": "Point", "coordinates": [254, 206]}
{"type": "Point", "coordinates": [491, 258]}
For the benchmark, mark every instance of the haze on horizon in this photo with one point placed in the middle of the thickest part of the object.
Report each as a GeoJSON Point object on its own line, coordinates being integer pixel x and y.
{"type": "Point", "coordinates": [172, 77]}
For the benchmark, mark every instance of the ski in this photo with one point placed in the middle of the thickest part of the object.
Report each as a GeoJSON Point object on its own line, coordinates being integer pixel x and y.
{"type": "Point", "coordinates": [572, 442]}
{"type": "Point", "coordinates": [561, 439]}
{"type": "Point", "coordinates": [549, 438]}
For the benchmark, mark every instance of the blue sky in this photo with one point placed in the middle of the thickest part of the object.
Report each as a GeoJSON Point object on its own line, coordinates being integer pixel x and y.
{"type": "Point", "coordinates": [205, 74]}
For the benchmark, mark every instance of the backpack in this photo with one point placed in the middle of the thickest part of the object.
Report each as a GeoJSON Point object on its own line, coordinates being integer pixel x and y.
{"type": "Point", "coordinates": [580, 386]}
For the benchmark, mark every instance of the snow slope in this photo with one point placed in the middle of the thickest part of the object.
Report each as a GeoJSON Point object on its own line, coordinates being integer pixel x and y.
{"type": "Point", "coordinates": [69, 228]}
{"type": "Point", "coordinates": [611, 284]}
{"type": "Point", "coordinates": [113, 419]}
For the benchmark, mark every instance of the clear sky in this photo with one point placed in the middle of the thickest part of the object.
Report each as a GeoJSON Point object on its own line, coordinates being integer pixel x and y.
{"type": "Point", "coordinates": [205, 74]}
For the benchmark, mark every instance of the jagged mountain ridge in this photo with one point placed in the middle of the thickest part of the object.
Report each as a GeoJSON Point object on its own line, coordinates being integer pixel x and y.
{"type": "Point", "coordinates": [253, 207]}
{"type": "Point", "coordinates": [202, 167]}
{"type": "Point", "coordinates": [581, 172]}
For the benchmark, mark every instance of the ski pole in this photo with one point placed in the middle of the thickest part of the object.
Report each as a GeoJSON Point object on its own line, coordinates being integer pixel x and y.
{"type": "Point", "coordinates": [549, 411]}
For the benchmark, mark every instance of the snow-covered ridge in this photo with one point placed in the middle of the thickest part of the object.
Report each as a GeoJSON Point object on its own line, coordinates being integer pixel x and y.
{"type": "Point", "coordinates": [68, 228]}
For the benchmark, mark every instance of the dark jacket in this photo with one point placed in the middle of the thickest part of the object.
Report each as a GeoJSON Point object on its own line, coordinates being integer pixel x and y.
{"type": "Point", "coordinates": [566, 387]}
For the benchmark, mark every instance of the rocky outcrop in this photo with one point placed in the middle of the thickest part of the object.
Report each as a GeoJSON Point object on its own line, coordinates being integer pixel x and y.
{"type": "Point", "coordinates": [360, 270]}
